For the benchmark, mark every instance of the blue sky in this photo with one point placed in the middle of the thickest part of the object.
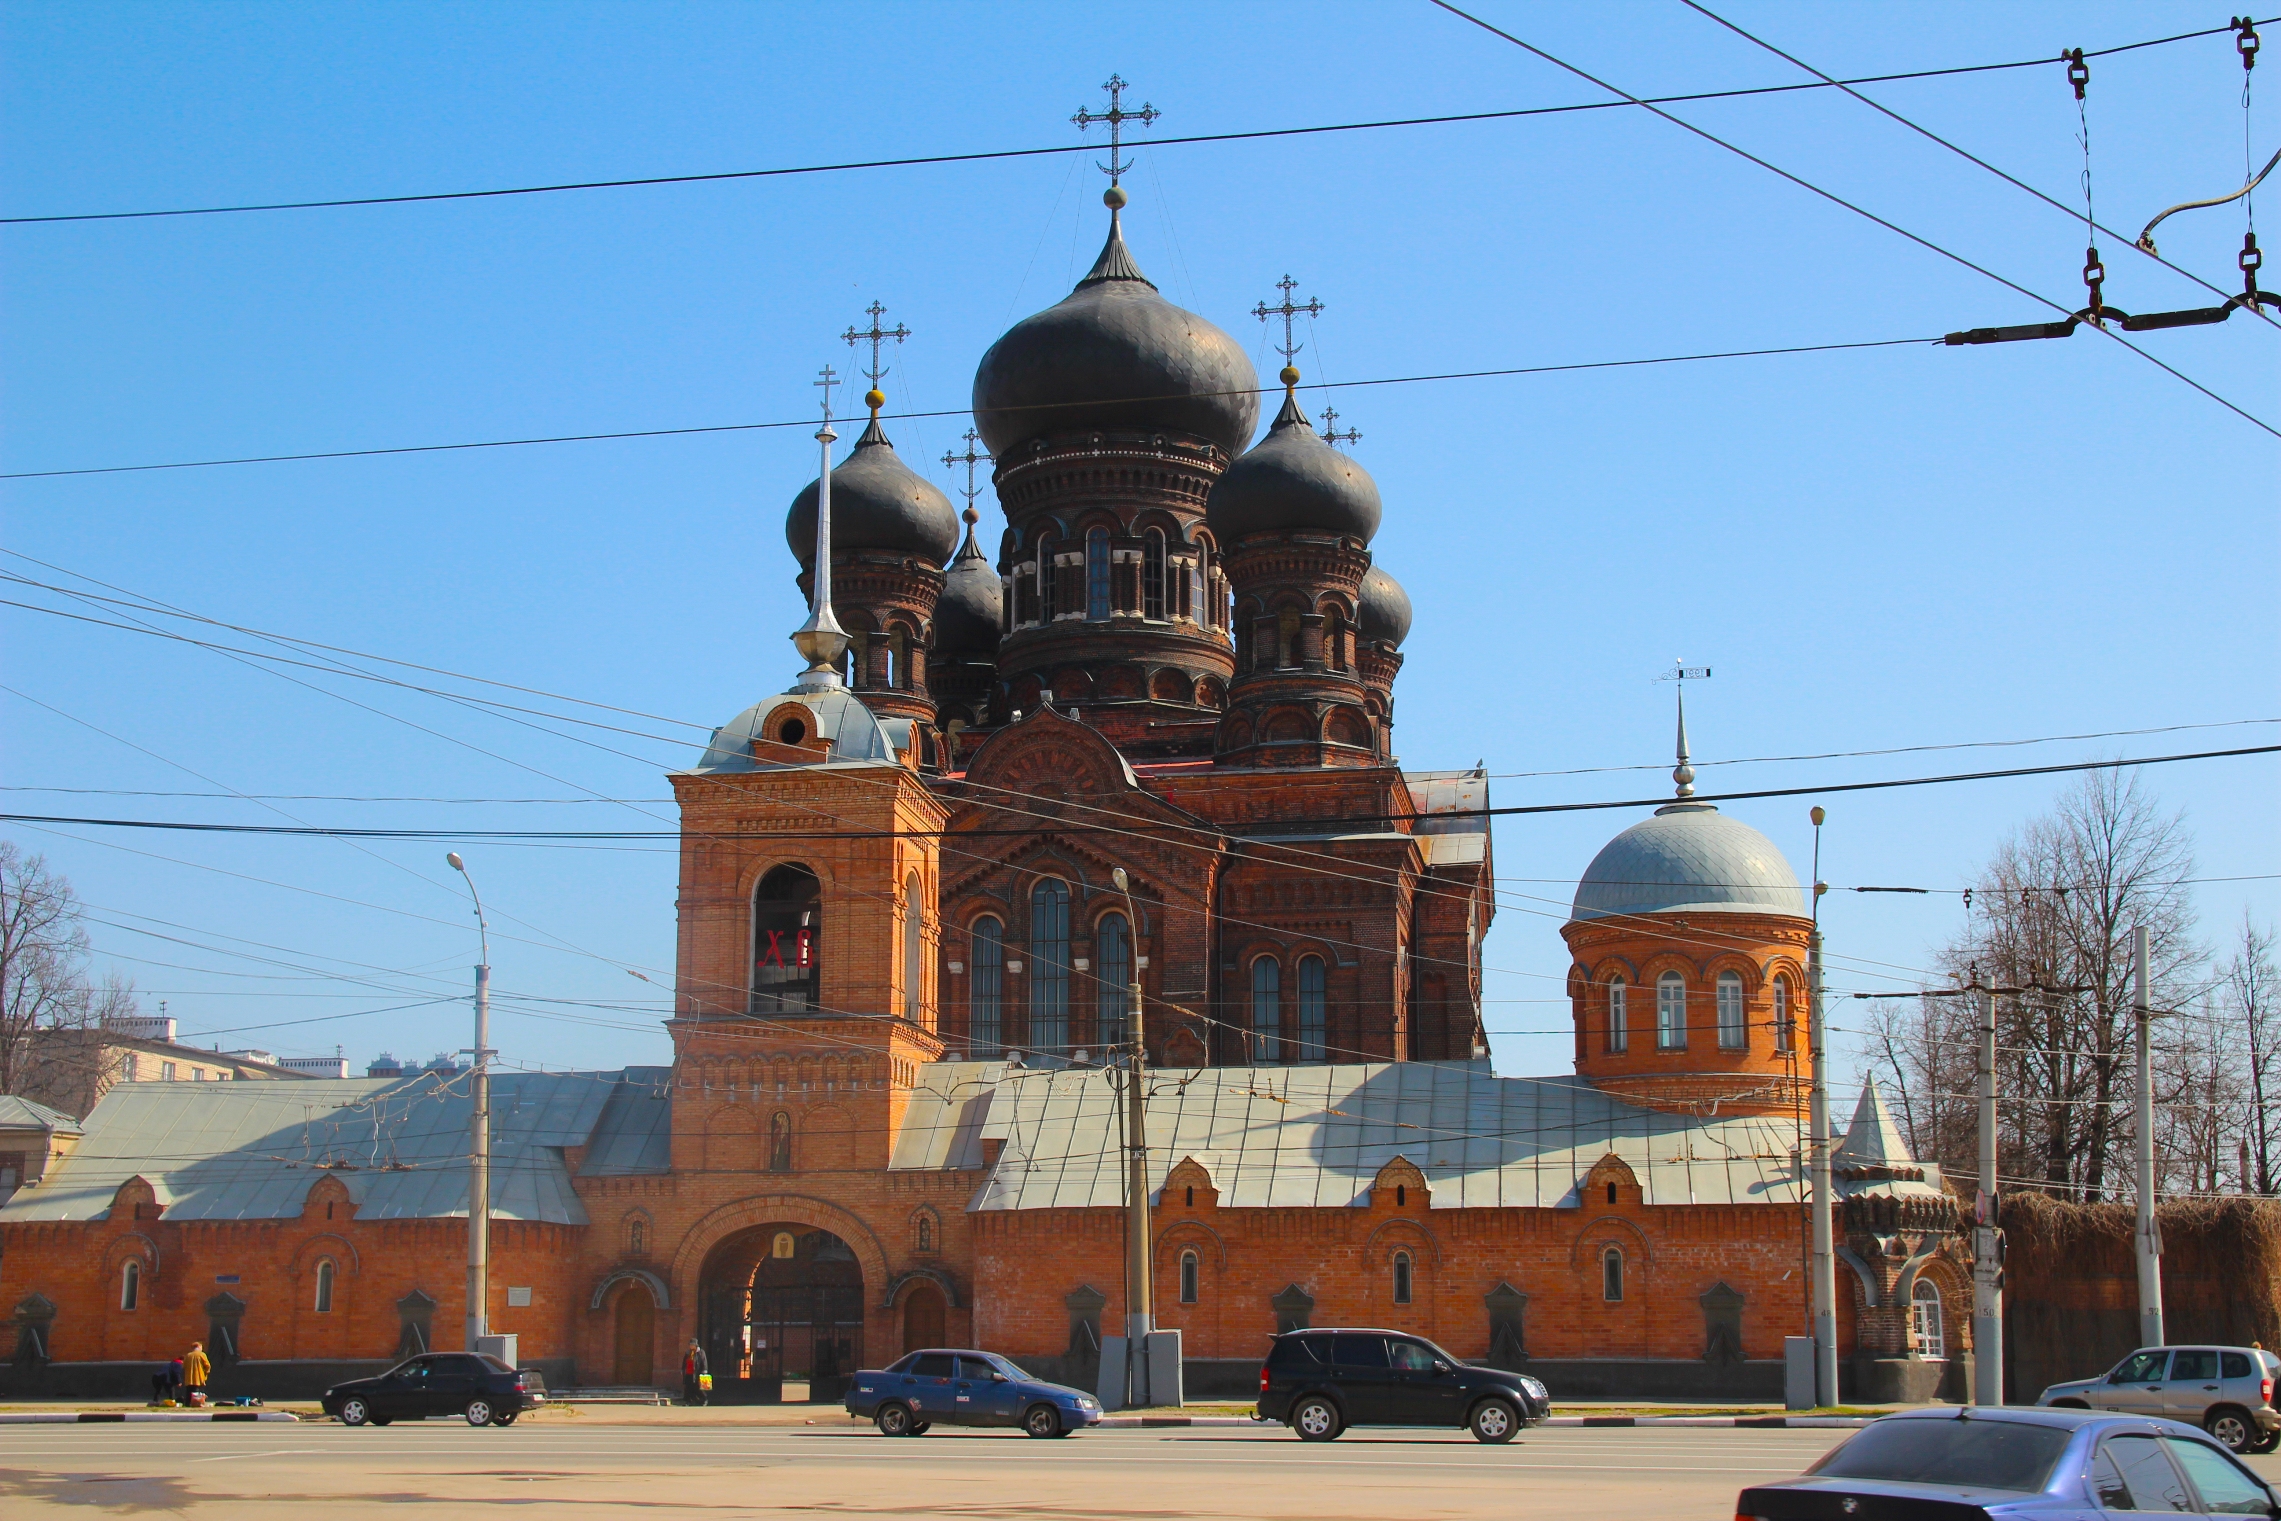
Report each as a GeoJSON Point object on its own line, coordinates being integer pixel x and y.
{"type": "Point", "coordinates": [1877, 549]}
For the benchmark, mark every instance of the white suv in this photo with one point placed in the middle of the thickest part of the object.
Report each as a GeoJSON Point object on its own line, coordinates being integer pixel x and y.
{"type": "Point", "coordinates": [2227, 1391]}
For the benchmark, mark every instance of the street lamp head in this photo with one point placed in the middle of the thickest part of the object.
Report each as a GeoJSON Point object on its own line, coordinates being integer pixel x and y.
{"type": "Point", "coordinates": [456, 863]}
{"type": "Point", "coordinates": [1817, 814]}
{"type": "Point", "coordinates": [1117, 875]}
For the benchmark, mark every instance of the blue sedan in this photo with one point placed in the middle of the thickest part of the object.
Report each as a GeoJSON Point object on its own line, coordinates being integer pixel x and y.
{"type": "Point", "coordinates": [1980, 1464]}
{"type": "Point", "coordinates": [962, 1388]}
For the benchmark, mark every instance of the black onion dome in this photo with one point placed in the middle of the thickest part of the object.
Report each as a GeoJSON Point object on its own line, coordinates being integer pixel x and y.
{"type": "Point", "coordinates": [1293, 482]}
{"type": "Point", "coordinates": [878, 502]}
{"type": "Point", "coordinates": [966, 617]}
{"type": "Point", "coordinates": [1384, 612]}
{"type": "Point", "coordinates": [1115, 355]}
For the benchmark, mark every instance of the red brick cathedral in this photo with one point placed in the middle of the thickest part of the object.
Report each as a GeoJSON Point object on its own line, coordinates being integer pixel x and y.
{"type": "Point", "coordinates": [903, 964]}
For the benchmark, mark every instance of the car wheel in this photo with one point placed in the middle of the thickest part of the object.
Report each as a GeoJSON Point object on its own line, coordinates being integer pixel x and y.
{"type": "Point", "coordinates": [894, 1420]}
{"type": "Point", "coordinates": [2266, 1441]}
{"type": "Point", "coordinates": [1316, 1419]}
{"type": "Point", "coordinates": [505, 1418]}
{"type": "Point", "coordinates": [1494, 1421]}
{"type": "Point", "coordinates": [382, 1420]}
{"type": "Point", "coordinates": [355, 1412]}
{"type": "Point", "coordinates": [922, 1428]}
{"type": "Point", "coordinates": [2232, 1426]}
{"type": "Point", "coordinates": [479, 1412]}
{"type": "Point", "coordinates": [1042, 1421]}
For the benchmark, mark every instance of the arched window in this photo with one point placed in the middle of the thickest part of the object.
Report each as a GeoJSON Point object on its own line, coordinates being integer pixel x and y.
{"type": "Point", "coordinates": [1049, 969]}
{"type": "Point", "coordinates": [1785, 1035]}
{"type": "Point", "coordinates": [1402, 1277]}
{"type": "Point", "coordinates": [1097, 574]}
{"type": "Point", "coordinates": [1190, 1271]}
{"type": "Point", "coordinates": [1266, 1010]}
{"type": "Point", "coordinates": [899, 660]}
{"type": "Point", "coordinates": [787, 941]}
{"type": "Point", "coordinates": [1152, 575]}
{"type": "Point", "coordinates": [1733, 1032]}
{"type": "Point", "coordinates": [914, 947]}
{"type": "Point", "coordinates": [1612, 1275]}
{"type": "Point", "coordinates": [637, 1237]}
{"type": "Point", "coordinates": [923, 1232]}
{"type": "Point", "coordinates": [1113, 971]}
{"type": "Point", "coordinates": [1670, 1012]}
{"type": "Point", "coordinates": [1924, 1320]}
{"type": "Point", "coordinates": [1046, 608]}
{"type": "Point", "coordinates": [1619, 1017]}
{"type": "Point", "coordinates": [130, 1284]}
{"type": "Point", "coordinates": [325, 1272]}
{"type": "Point", "coordinates": [986, 988]}
{"type": "Point", "coordinates": [1314, 1011]}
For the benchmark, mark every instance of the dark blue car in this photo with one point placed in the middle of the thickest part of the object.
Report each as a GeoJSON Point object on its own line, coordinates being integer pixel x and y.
{"type": "Point", "coordinates": [2038, 1464]}
{"type": "Point", "coordinates": [962, 1388]}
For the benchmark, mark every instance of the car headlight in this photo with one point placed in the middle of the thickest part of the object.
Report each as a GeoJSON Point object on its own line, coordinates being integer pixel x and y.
{"type": "Point", "coordinates": [1535, 1388]}
{"type": "Point", "coordinates": [1085, 1402]}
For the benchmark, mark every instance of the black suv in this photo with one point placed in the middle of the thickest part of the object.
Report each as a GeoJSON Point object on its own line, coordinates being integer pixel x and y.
{"type": "Point", "coordinates": [1321, 1382]}
{"type": "Point", "coordinates": [482, 1389]}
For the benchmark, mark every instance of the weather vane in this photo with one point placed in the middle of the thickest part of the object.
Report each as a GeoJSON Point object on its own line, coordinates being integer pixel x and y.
{"type": "Point", "coordinates": [1116, 116]}
{"type": "Point", "coordinates": [1331, 434]}
{"type": "Point", "coordinates": [1682, 673]}
{"type": "Point", "coordinates": [875, 335]}
{"type": "Point", "coordinates": [1287, 311]}
{"type": "Point", "coordinates": [969, 459]}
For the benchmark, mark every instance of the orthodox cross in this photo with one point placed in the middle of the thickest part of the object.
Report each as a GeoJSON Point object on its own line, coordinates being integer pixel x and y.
{"type": "Point", "coordinates": [830, 378]}
{"type": "Point", "coordinates": [1287, 311]}
{"type": "Point", "coordinates": [875, 335]}
{"type": "Point", "coordinates": [969, 459]}
{"type": "Point", "coordinates": [1116, 116]}
{"type": "Point", "coordinates": [1331, 434]}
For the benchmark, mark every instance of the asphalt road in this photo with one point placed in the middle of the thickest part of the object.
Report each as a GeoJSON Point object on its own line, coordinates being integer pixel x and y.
{"type": "Point", "coordinates": [327, 1471]}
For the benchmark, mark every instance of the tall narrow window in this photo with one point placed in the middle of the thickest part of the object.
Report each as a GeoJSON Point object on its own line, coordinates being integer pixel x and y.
{"type": "Point", "coordinates": [1049, 969]}
{"type": "Point", "coordinates": [1113, 967]}
{"type": "Point", "coordinates": [1612, 1275]}
{"type": "Point", "coordinates": [1924, 1321]}
{"type": "Point", "coordinates": [1785, 1037]}
{"type": "Point", "coordinates": [1190, 1271]}
{"type": "Point", "coordinates": [1402, 1278]}
{"type": "Point", "coordinates": [1670, 1012]}
{"type": "Point", "coordinates": [914, 947]}
{"type": "Point", "coordinates": [1314, 1014]}
{"type": "Point", "coordinates": [1733, 1032]}
{"type": "Point", "coordinates": [130, 1284]}
{"type": "Point", "coordinates": [787, 941]}
{"type": "Point", "coordinates": [986, 988]}
{"type": "Point", "coordinates": [1266, 1010]}
{"type": "Point", "coordinates": [325, 1272]}
{"type": "Point", "coordinates": [1046, 607]}
{"type": "Point", "coordinates": [1619, 1017]}
{"type": "Point", "coordinates": [1097, 574]}
{"type": "Point", "coordinates": [1152, 575]}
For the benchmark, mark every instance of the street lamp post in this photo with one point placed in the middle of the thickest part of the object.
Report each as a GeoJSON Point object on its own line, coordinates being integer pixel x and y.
{"type": "Point", "coordinates": [479, 1132]}
{"type": "Point", "coordinates": [1139, 1319]}
{"type": "Point", "coordinates": [1824, 1264]}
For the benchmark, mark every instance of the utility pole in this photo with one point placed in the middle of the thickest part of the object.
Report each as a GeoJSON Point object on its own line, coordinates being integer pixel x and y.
{"type": "Point", "coordinates": [1987, 1296]}
{"type": "Point", "coordinates": [479, 1133]}
{"type": "Point", "coordinates": [1824, 1271]}
{"type": "Point", "coordinates": [1139, 1317]}
{"type": "Point", "coordinates": [2148, 1235]}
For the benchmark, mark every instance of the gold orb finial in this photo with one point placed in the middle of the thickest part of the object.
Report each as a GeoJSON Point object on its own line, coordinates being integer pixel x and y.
{"type": "Point", "coordinates": [875, 399]}
{"type": "Point", "coordinates": [1115, 198]}
{"type": "Point", "coordinates": [1290, 375]}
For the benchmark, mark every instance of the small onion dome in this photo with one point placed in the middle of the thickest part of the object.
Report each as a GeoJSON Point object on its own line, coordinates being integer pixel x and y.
{"type": "Point", "coordinates": [1293, 482]}
{"type": "Point", "coordinates": [1689, 857]}
{"type": "Point", "coordinates": [966, 618]}
{"type": "Point", "coordinates": [878, 502]}
{"type": "Point", "coordinates": [1115, 355]}
{"type": "Point", "coordinates": [1384, 611]}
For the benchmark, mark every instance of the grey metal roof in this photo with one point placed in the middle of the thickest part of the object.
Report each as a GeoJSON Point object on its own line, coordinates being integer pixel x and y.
{"type": "Point", "coordinates": [22, 1114]}
{"type": "Point", "coordinates": [851, 727]}
{"type": "Point", "coordinates": [251, 1151]}
{"type": "Point", "coordinates": [1317, 1136]}
{"type": "Point", "coordinates": [1688, 858]}
{"type": "Point", "coordinates": [635, 1132]}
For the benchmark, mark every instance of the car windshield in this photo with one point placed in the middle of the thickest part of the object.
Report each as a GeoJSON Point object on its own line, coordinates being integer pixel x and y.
{"type": "Point", "coordinates": [1973, 1454]}
{"type": "Point", "coordinates": [1007, 1367]}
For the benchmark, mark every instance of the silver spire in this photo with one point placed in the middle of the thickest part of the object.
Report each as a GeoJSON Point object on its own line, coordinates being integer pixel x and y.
{"type": "Point", "coordinates": [1682, 673]}
{"type": "Point", "coordinates": [821, 641]}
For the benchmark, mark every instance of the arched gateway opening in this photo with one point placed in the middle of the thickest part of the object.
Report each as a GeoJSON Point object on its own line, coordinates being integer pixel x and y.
{"type": "Point", "coordinates": [782, 1309]}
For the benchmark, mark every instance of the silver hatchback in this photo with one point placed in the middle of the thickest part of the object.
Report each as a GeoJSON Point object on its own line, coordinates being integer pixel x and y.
{"type": "Point", "coordinates": [2227, 1391]}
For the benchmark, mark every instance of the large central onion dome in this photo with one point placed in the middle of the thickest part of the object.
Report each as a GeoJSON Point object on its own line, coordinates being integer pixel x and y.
{"type": "Point", "coordinates": [878, 502]}
{"type": "Point", "coordinates": [1383, 612]}
{"type": "Point", "coordinates": [1115, 355]}
{"type": "Point", "coordinates": [1293, 482]}
{"type": "Point", "coordinates": [1688, 858]}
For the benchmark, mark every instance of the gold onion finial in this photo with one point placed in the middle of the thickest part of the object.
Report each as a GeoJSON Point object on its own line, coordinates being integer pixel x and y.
{"type": "Point", "coordinates": [1289, 377]}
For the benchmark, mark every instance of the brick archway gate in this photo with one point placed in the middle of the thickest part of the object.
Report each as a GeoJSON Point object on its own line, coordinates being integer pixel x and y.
{"type": "Point", "coordinates": [778, 1288]}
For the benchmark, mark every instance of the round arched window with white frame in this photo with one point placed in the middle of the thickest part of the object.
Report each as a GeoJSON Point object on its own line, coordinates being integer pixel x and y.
{"type": "Point", "coordinates": [1925, 1332]}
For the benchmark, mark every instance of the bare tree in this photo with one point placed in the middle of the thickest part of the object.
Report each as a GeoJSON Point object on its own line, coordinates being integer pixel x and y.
{"type": "Point", "coordinates": [51, 1011]}
{"type": "Point", "coordinates": [2052, 913]}
{"type": "Point", "coordinates": [2250, 1000]}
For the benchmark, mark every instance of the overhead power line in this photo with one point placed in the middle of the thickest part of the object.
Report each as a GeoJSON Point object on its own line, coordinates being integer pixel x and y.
{"type": "Point", "coordinates": [810, 422]}
{"type": "Point", "coordinates": [984, 156]}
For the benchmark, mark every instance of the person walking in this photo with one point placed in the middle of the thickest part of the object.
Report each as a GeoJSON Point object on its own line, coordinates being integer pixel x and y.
{"type": "Point", "coordinates": [695, 1375]}
{"type": "Point", "coordinates": [196, 1369]}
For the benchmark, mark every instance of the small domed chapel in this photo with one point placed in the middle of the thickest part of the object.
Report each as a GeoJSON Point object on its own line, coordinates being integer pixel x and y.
{"type": "Point", "coordinates": [904, 952]}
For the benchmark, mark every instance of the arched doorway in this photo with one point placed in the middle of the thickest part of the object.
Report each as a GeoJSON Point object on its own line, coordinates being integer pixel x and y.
{"type": "Point", "coordinates": [634, 1331]}
{"type": "Point", "coordinates": [923, 1309]}
{"type": "Point", "coordinates": [783, 1315]}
